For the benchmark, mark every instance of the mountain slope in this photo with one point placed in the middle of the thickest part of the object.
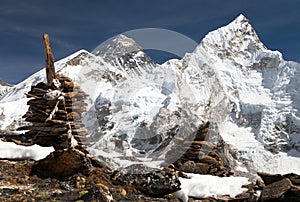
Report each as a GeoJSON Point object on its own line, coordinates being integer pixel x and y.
{"type": "Point", "coordinates": [252, 95]}
{"type": "Point", "coordinates": [231, 80]}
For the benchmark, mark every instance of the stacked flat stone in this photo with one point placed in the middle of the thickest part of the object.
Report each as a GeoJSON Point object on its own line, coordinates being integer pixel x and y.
{"type": "Point", "coordinates": [55, 113]}
{"type": "Point", "coordinates": [200, 156]}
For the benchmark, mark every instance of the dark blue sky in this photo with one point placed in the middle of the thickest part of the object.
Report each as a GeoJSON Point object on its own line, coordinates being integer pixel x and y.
{"type": "Point", "coordinates": [84, 24]}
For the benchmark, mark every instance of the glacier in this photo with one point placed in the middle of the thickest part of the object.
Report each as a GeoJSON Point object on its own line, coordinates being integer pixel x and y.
{"type": "Point", "coordinates": [136, 106]}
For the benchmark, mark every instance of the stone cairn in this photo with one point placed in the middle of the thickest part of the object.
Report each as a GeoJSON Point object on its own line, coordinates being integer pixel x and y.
{"type": "Point", "coordinates": [55, 114]}
{"type": "Point", "coordinates": [55, 117]}
{"type": "Point", "coordinates": [200, 156]}
{"type": "Point", "coordinates": [55, 110]}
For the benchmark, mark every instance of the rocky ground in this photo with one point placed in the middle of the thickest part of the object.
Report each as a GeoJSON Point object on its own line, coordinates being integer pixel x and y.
{"type": "Point", "coordinates": [19, 183]}
{"type": "Point", "coordinates": [70, 174]}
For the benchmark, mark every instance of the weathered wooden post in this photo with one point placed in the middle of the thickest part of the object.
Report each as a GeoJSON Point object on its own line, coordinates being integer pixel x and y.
{"type": "Point", "coordinates": [50, 69]}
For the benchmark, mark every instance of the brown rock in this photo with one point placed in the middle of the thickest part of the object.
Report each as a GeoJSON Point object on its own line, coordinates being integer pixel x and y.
{"type": "Point", "coordinates": [213, 170]}
{"type": "Point", "coordinates": [276, 190]}
{"type": "Point", "coordinates": [295, 190]}
{"type": "Point", "coordinates": [221, 173]}
{"type": "Point", "coordinates": [207, 154]}
{"type": "Point", "coordinates": [191, 152]}
{"type": "Point", "coordinates": [62, 164]}
{"type": "Point", "coordinates": [178, 140]}
{"type": "Point", "coordinates": [97, 194]}
{"type": "Point", "coordinates": [205, 145]}
{"type": "Point", "coordinates": [195, 147]}
{"type": "Point", "coordinates": [202, 144]}
{"type": "Point", "coordinates": [202, 133]}
{"type": "Point", "coordinates": [260, 183]}
{"type": "Point", "coordinates": [269, 178]}
{"type": "Point", "coordinates": [203, 167]}
{"type": "Point", "coordinates": [240, 198]}
{"type": "Point", "coordinates": [49, 127]}
{"type": "Point", "coordinates": [208, 160]}
{"type": "Point", "coordinates": [295, 179]}
{"type": "Point", "coordinates": [190, 167]}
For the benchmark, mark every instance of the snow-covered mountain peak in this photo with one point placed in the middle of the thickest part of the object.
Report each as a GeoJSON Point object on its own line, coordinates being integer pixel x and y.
{"type": "Point", "coordinates": [125, 54]}
{"type": "Point", "coordinates": [247, 90]}
{"type": "Point", "coordinates": [241, 18]}
{"type": "Point", "coordinates": [237, 41]}
{"type": "Point", "coordinates": [126, 41]}
{"type": "Point", "coordinates": [116, 47]}
{"type": "Point", "coordinates": [74, 59]}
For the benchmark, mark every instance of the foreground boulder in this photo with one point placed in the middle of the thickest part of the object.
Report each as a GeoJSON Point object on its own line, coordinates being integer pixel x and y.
{"type": "Point", "coordinates": [62, 164]}
{"type": "Point", "coordinates": [156, 183]}
{"type": "Point", "coordinates": [280, 187]}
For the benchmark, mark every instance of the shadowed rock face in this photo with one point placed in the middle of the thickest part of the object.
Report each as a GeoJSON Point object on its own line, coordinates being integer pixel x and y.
{"type": "Point", "coordinates": [276, 190]}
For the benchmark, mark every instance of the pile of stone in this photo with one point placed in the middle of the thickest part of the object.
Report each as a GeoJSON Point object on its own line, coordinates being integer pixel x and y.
{"type": "Point", "coordinates": [200, 156]}
{"type": "Point", "coordinates": [55, 114]}
{"type": "Point", "coordinates": [54, 118]}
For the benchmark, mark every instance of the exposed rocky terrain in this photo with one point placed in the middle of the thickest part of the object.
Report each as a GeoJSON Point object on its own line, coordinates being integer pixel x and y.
{"type": "Point", "coordinates": [19, 183]}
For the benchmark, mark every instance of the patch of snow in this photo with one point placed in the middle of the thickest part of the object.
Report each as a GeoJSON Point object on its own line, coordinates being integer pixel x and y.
{"type": "Point", "coordinates": [9, 150]}
{"type": "Point", "coordinates": [204, 186]}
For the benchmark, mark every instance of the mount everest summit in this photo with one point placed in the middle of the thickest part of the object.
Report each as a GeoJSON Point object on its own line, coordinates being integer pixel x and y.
{"type": "Point", "coordinates": [136, 107]}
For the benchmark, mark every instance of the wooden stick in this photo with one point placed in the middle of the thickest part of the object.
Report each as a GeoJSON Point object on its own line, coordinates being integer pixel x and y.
{"type": "Point", "coordinates": [50, 69]}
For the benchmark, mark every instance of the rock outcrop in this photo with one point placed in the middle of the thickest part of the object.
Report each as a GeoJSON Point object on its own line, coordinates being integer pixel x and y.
{"type": "Point", "coordinates": [201, 156]}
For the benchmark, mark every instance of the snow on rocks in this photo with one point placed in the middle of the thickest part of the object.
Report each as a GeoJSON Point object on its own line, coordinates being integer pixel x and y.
{"type": "Point", "coordinates": [247, 91]}
{"type": "Point", "coordinates": [204, 186]}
